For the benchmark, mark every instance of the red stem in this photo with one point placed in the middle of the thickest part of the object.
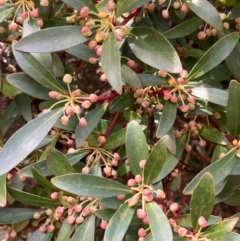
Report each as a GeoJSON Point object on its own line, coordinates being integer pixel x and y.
{"type": "Point", "coordinates": [112, 124]}
{"type": "Point", "coordinates": [107, 97]}
{"type": "Point", "coordinates": [129, 17]}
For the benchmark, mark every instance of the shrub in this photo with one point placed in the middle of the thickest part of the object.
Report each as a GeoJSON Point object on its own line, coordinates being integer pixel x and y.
{"type": "Point", "coordinates": [122, 120]}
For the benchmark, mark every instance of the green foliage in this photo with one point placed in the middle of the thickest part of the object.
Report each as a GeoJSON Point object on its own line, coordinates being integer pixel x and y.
{"type": "Point", "coordinates": [119, 120]}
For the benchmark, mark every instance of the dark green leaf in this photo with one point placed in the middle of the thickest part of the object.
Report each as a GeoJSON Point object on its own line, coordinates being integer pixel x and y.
{"type": "Point", "coordinates": [28, 85]}
{"type": "Point", "coordinates": [217, 151]}
{"type": "Point", "coordinates": [105, 214]}
{"type": "Point", "coordinates": [206, 11]}
{"type": "Point", "coordinates": [51, 39]}
{"type": "Point", "coordinates": [124, 6]}
{"type": "Point", "coordinates": [232, 237]}
{"type": "Point", "coordinates": [183, 29]}
{"type": "Point", "coordinates": [150, 79]}
{"type": "Point", "coordinates": [233, 61]}
{"type": "Point", "coordinates": [23, 102]}
{"type": "Point", "coordinates": [89, 185]}
{"type": "Point", "coordinates": [234, 13]}
{"type": "Point", "coordinates": [57, 163]}
{"type": "Point", "coordinates": [16, 215]}
{"type": "Point", "coordinates": [39, 72]}
{"type": "Point", "coordinates": [155, 162]}
{"type": "Point", "coordinates": [202, 200]}
{"type": "Point", "coordinates": [212, 134]}
{"type": "Point", "coordinates": [219, 170]}
{"type": "Point", "coordinates": [110, 61]}
{"type": "Point", "coordinates": [3, 191]}
{"type": "Point", "coordinates": [122, 102]}
{"type": "Point", "coordinates": [220, 230]}
{"type": "Point", "coordinates": [5, 11]}
{"type": "Point", "coordinates": [119, 223]}
{"type": "Point", "coordinates": [170, 141]}
{"type": "Point", "coordinates": [153, 48]}
{"type": "Point", "coordinates": [31, 199]}
{"type": "Point", "coordinates": [26, 139]}
{"type": "Point", "coordinates": [92, 118]}
{"type": "Point", "coordinates": [233, 108]}
{"type": "Point", "coordinates": [58, 68]}
{"type": "Point", "coordinates": [212, 95]}
{"type": "Point", "coordinates": [130, 77]}
{"type": "Point", "coordinates": [7, 88]}
{"type": "Point", "coordinates": [132, 115]}
{"type": "Point", "coordinates": [158, 222]}
{"type": "Point", "coordinates": [86, 231]}
{"type": "Point", "coordinates": [136, 146]}
{"type": "Point", "coordinates": [78, 4]}
{"type": "Point", "coordinates": [167, 119]}
{"type": "Point", "coordinates": [115, 140]}
{"type": "Point", "coordinates": [214, 55]}
{"type": "Point", "coordinates": [65, 232]}
{"type": "Point", "coordinates": [39, 236]}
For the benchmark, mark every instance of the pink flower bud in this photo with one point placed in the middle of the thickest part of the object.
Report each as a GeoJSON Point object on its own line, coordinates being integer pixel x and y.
{"type": "Point", "coordinates": [103, 224]}
{"type": "Point", "coordinates": [76, 109]}
{"type": "Point", "coordinates": [184, 108]}
{"type": "Point", "coordinates": [141, 214]}
{"type": "Point", "coordinates": [93, 97]}
{"type": "Point", "coordinates": [50, 228]}
{"type": "Point", "coordinates": [54, 195]}
{"type": "Point", "coordinates": [132, 202]}
{"type": "Point", "coordinates": [86, 212]}
{"type": "Point", "coordinates": [202, 143]}
{"type": "Point", "coordinates": [182, 232]}
{"type": "Point", "coordinates": [70, 220]}
{"type": "Point", "coordinates": [64, 120]}
{"type": "Point", "coordinates": [131, 64]}
{"type": "Point", "coordinates": [111, 6]}
{"type": "Point", "coordinates": [174, 99]}
{"type": "Point", "coordinates": [82, 122]}
{"type": "Point", "coordinates": [84, 12]}
{"type": "Point", "coordinates": [142, 232]}
{"type": "Point", "coordinates": [54, 95]}
{"type": "Point", "coordinates": [131, 183]}
{"type": "Point", "coordinates": [86, 104]}
{"type": "Point", "coordinates": [162, 73]}
{"type": "Point", "coordinates": [24, 15]}
{"type": "Point", "coordinates": [22, 178]}
{"type": "Point", "coordinates": [107, 170]}
{"type": "Point", "coordinates": [161, 194]}
{"type": "Point", "coordinates": [184, 74]}
{"type": "Point", "coordinates": [221, 155]}
{"type": "Point", "coordinates": [86, 31]}
{"type": "Point", "coordinates": [120, 197]}
{"type": "Point", "coordinates": [92, 44]}
{"type": "Point", "coordinates": [191, 99]}
{"type": "Point", "coordinates": [35, 13]}
{"type": "Point", "coordinates": [148, 198]}
{"type": "Point", "coordinates": [202, 222]}
{"type": "Point", "coordinates": [142, 163]}
{"type": "Point", "coordinates": [12, 26]}
{"type": "Point", "coordinates": [77, 208]}
{"type": "Point", "coordinates": [138, 178]}
{"type": "Point", "coordinates": [67, 78]}
{"type": "Point", "coordinates": [43, 229]}
{"type": "Point", "coordinates": [2, 2]}
{"type": "Point", "coordinates": [86, 170]}
{"type": "Point", "coordinates": [181, 81]}
{"type": "Point", "coordinates": [92, 60]}
{"type": "Point", "coordinates": [174, 207]}
{"type": "Point", "coordinates": [79, 219]}
{"type": "Point", "coordinates": [159, 107]}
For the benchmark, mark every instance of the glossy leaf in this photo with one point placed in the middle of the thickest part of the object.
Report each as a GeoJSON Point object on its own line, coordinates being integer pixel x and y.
{"type": "Point", "coordinates": [202, 200]}
{"type": "Point", "coordinates": [3, 191]}
{"type": "Point", "coordinates": [39, 236]}
{"type": "Point", "coordinates": [23, 102]}
{"type": "Point", "coordinates": [206, 11]}
{"type": "Point", "coordinates": [155, 162]}
{"type": "Point", "coordinates": [110, 61]}
{"type": "Point", "coordinates": [39, 72]}
{"type": "Point", "coordinates": [28, 85]}
{"type": "Point", "coordinates": [86, 230]}
{"type": "Point", "coordinates": [123, 6]}
{"type": "Point", "coordinates": [31, 199]}
{"type": "Point", "coordinates": [232, 237]}
{"type": "Point", "coordinates": [136, 146]}
{"type": "Point", "coordinates": [130, 77]}
{"type": "Point", "coordinates": [116, 139]}
{"type": "Point", "coordinates": [158, 222]}
{"type": "Point", "coordinates": [51, 39]}
{"type": "Point", "coordinates": [119, 223]}
{"type": "Point", "coordinates": [26, 139]}
{"type": "Point", "coordinates": [58, 68]}
{"type": "Point", "coordinates": [5, 11]}
{"type": "Point", "coordinates": [233, 108]}
{"type": "Point", "coordinates": [92, 118]}
{"type": "Point", "coordinates": [122, 102]}
{"type": "Point", "coordinates": [78, 4]}
{"type": "Point", "coordinates": [16, 215]}
{"type": "Point", "coordinates": [167, 119]}
{"type": "Point", "coordinates": [153, 48]}
{"type": "Point", "coordinates": [65, 231]}
{"type": "Point", "coordinates": [212, 134]}
{"type": "Point", "coordinates": [219, 170]}
{"type": "Point", "coordinates": [170, 141]}
{"type": "Point", "coordinates": [212, 95]}
{"type": "Point", "coordinates": [217, 151]}
{"type": "Point", "coordinates": [89, 185]}
{"type": "Point", "coordinates": [57, 163]}
{"type": "Point", "coordinates": [183, 29]}
{"type": "Point", "coordinates": [105, 214]}
{"type": "Point", "coordinates": [220, 230]}
{"type": "Point", "coordinates": [149, 79]}
{"type": "Point", "coordinates": [214, 55]}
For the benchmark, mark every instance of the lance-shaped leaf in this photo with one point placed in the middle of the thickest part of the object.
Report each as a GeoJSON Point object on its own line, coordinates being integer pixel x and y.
{"type": "Point", "coordinates": [212, 134]}
{"type": "Point", "coordinates": [219, 171]}
{"type": "Point", "coordinates": [78, 4]}
{"type": "Point", "coordinates": [136, 146]}
{"type": "Point", "coordinates": [214, 55]}
{"type": "Point", "coordinates": [28, 85]}
{"type": "Point", "coordinates": [92, 118]}
{"type": "Point", "coordinates": [119, 223]}
{"type": "Point", "coordinates": [110, 61]}
{"type": "Point", "coordinates": [220, 230]}
{"type": "Point", "coordinates": [36, 70]}
{"type": "Point", "coordinates": [212, 95]}
{"type": "Point", "coordinates": [124, 6]}
{"type": "Point", "coordinates": [167, 119]}
{"type": "Point", "coordinates": [155, 162]}
{"type": "Point", "coordinates": [122, 102]}
{"type": "Point", "coordinates": [130, 77]}
{"type": "Point", "coordinates": [16, 215]}
{"type": "Point", "coordinates": [206, 11]}
{"type": "Point", "coordinates": [3, 191]}
{"type": "Point", "coordinates": [57, 163]}
{"type": "Point", "coordinates": [233, 61]}
{"type": "Point", "coordinates": [233, 108]}
{"type": "Point", "coordinates": [86, 231]}
{"type": "Point", "coordinates": [116, 139]}
{"type": "Point", "coordinates": [51, 40]}
{"type": "Point", "coordinates": [40, 236]}
{"type": "Point", "coordinates": [183, 29]}
{"type": "Point", "coordinates": [158, 222]}
{"type": "Point", "coordinates": [26, 139]}
{"type": "Point", "coordinates": [202, 200]}
{"type": "Point", "coordinates": [65, 231]}
{"type": "Point", "coordinates": [89, 185]}
{"type": "Point", "coordinates": [232, 237]}
{"type": "Point", "coordinates": [5, 11]}
{"type": "Point", "coordinates": [154, 49]}
{"type": "Point", "coordinates": [23, 102]}
{"type": "Point", "coordinates": [31, 199]}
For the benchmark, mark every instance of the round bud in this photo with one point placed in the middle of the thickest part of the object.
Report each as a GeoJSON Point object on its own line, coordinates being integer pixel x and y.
{"type": "Point", "coordinates": [77, 208]}
{"type": "Point", "coordinates": [36, 215]}
{"type": "Point", "coordinates": [111, 6]}
{"type": "Point", "coordinates": [92, 60]}
{"type": "Point", "coordinates": [54, 95]}
{"type": "Point", "coordinates": [64, 120]}
{"type": "Point", "coordinates": [174, 207]}
{"type": "Point", "coordinates": [182, 232]}
{"type": "Point", "coordinates": [12, 26]}
{"type": "Point", "coordinates": [141, 214]}
{"type": "Point", "coordinates": [101, 139]}
{"type": "Point", "coordinates": [86, 212]}
{"type": "Point", "coordinates": [138, 178]}
{"type": "Point", "coordinates": [120, 197]}
{"type": "Point", "coordinates": [201, 35]}
{"type": "Point", "coordinates": [103, 77]}
{"type": "Point", "coordinates": [86, 104]}
{"type": "Point", "coordinates": [93, 97]}
{"type": "Point", "coordinates": [86, 31]}
{"type": "Point", "coordinates": [184, 108]}
{"type": "Point", "coordinates": [22, 178]}
{"type": "Point", "coordinates": [131, 183]}
{"type": "Point", "coordinates": [49, 212]}
{"type": "Point", "coordinates": [43, 229]}
{"type": "Point", "coordinates": [79, 220]}
{"type": "Point", "coordinates": [165, 13]}
{"type": "Point", "coordinates": [221, 155]}
{"type": "Point", "coordinates": [176, 5]}
{"type": "Point", "coordinates": [86, 170]}
{"type": "Point", "coordinates": [148, 197]}
{"type": "Point", "coordinates": [71, 150]}
{"type": "Point", "coordinates": [131, 64]}
{"type": "Point", "coordinates": [54, 195]}
{"type": "Point", "coordinates": [84, 12]}
{"type": "Point", "coordinates": [67, 78]}
{"type": "Point", "coordinates": [82, 122]}
{"type": "Point", "coordinates": [202, 143]}
{"type": "Point", "coordinates": [2, 2]}
{"type": "Point", "coordinates": [102, 14]}
{"type": "Point", "coordinates": [50, 228]}
{"type": "Point", "coordinates": [44, 3]}
{"type": "Point", "coordinates": [142, 163]}
{"type": "Point", "coordinates": [132, 202]}
{"type": "Point", "coordinates": [107, 170]}
{"type": "Point", "coordinates": [116, 156]}
{"type": "Point", "coordinates": [35, 13]}
{"type": "Point", "coordinates": [202, 222]}
{"type": "Point", "coordinates": [184, 8]}
{"type": "Point", "coordinates": [103, 224]}
{"type": "Point", "coordinates": [188, 148]}
{"type": "Point", "coordinates": [70, 220]}
{"type": "Point", "coordinates": [142, 232]}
